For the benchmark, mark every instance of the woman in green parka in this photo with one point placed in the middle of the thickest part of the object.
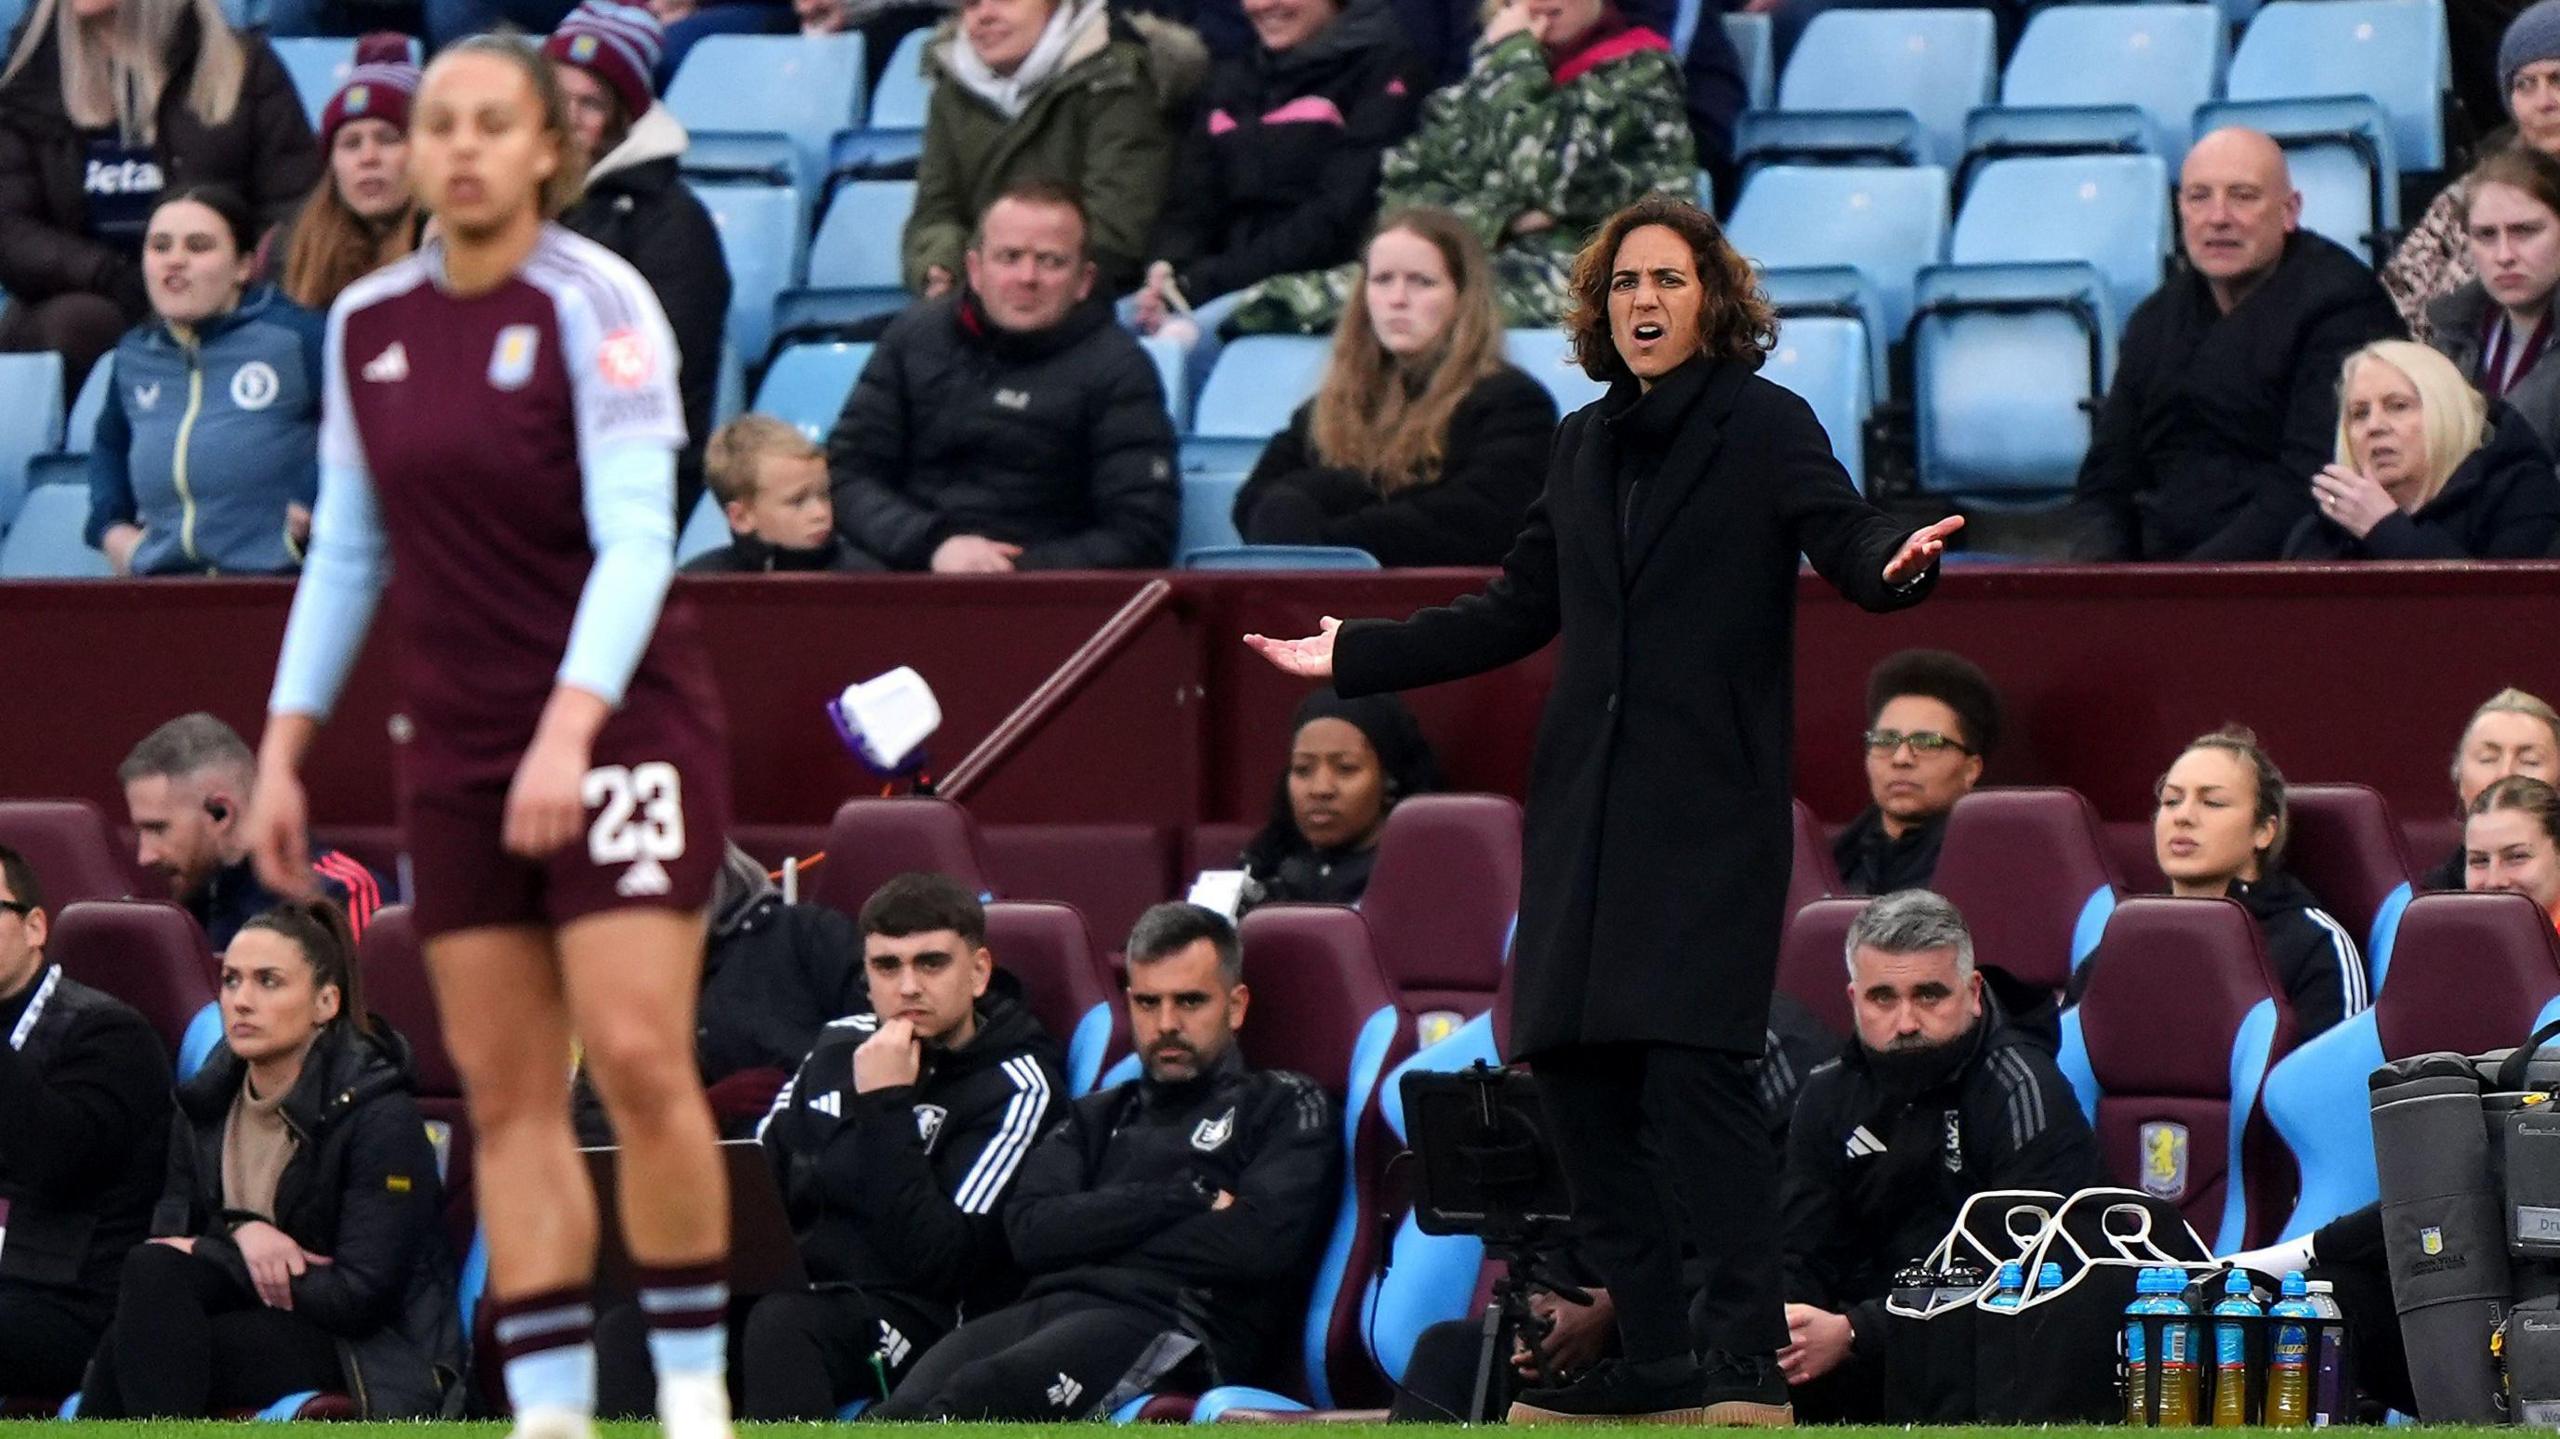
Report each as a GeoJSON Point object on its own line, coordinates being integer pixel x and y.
{"type": "Point", "coordinates": [1053, 90]}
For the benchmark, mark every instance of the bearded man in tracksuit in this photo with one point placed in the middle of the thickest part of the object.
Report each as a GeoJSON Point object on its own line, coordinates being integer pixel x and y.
{"type": "Point", "coordinates": [1167, 1223]}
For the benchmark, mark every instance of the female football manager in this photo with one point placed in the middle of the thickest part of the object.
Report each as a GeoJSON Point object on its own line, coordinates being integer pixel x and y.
{"type": "Point", "coordinates": [1664, 552]}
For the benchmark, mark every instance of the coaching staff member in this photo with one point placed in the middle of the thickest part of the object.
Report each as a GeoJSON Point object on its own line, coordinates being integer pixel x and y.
{"type": "Point", "coordinates": [1664, 552]}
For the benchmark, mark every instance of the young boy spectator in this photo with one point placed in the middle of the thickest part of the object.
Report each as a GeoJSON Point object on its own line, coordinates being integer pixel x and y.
{"type": "Point", "coordinates": [771, 482]}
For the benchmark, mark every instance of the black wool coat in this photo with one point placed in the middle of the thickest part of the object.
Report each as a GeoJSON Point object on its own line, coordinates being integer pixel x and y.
{"type": "Point", "coordinates": [1659, 828]}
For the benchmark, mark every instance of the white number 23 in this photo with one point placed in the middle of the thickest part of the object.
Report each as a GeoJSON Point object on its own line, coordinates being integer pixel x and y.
{"type": "Point", "coordinates": [639, 813]}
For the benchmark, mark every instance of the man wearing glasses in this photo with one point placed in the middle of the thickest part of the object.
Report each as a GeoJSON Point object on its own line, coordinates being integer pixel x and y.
{"type": "Point", "coordinates": [1933, 720]}
{"type": "Point", "coordinates": [84, 1137]}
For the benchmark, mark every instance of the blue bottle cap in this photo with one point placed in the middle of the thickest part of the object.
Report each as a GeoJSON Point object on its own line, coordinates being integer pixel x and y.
{"type": "Point", "coordinates": [2013, 1275]}
{"type": "Point", "coordinates": [2049, 1277]}
{"type": "Point", "coordinates": [2238, 1283]}
{"type": "Point", "coordinates": [2296, 1285]}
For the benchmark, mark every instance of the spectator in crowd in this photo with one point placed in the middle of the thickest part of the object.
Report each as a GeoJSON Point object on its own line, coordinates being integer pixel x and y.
{"type": "Point", "coordinates": [1933, 720]}
{"type": "Point", "coordinates": [2496, 328]}
{"type": "Point", "coordinates": [105, 104]}
{"type": "Point", "coordinates": [1010, 425]}
{"type": "Point", "coordinates": [2512, 841]}
{"type": "Point", "coordinates": [896, 1147]}
{"type": "Point", "coordinates": [1062, 90]}
{"type": "Point", "coordinates": [1281, 173]}
{"type": "Point", "coordinates": [1350, 761]}
{"type": "Point", "coordinates": [1952, 1100]}
{"type": "Point", "coordinates": [1717, 93]}
{"type": "Point", "coordinates": [2219, 832]}
{"type": "Point", "coordinates": [1422, 446]}
{"type": "Point", "coordinates": [206, 456]}
{"type": "Point", "coordinates": [2511, 733]}
{"type": "Point", "coordinates": [771, 485]}
{"type": "Point", "coordinates": [84, 1132]}
{"type": "Point", "coordinates": [2426, 470]}
{"type": "Point", "coordinates": [1570, 113]}
{"type": "Point", "coordinates": [2217, 412]}
{"type": "Point", "coordinates": [2436, 258]}
{"type": "Point", "coordinates": [363, 214]}
{"type": "Point", "coordinates": [186, 793]}
{"type": "Point", "coordinates": [1168, 1221]}
{"type": "Point", "coordinates": [301, 1232]}
{"type": "Point", "coordinates": [638, 207]}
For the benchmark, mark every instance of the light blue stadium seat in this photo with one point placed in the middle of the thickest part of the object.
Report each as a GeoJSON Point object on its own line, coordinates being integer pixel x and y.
{"type": "Point", "coordinates": [807, 385]}
{"type": "Point", "coordinates": [729, 393]}
{"type": "Point", "coordinates": [854, 262]}
{"type": "Point", "coordinates": [2015, 336]}
{"type": "Point", "coordinates": [760, 236]}
{"type": "Point", "coordinates": [1824, 360]}
{"type": "Point", "coordinates": [1758, 52]}
{"type": "Point", "coordinates": [44, 469]}
{"type": "Point", "coordinates": [1546, 356]}
{"type": "Point", "coordinates": [1869, 86]}
{"type": "Point", "coordinates": [2343, 158]}
{"type": "Point", "coordinates": [1172, 371]}
{"type": "Point", "coordinates": [705, 530]}
{"type": "Point", "coordinates": [30, 424]}
{"type": "Point", "coordinates": [1258, 382]}
{"type": "Point", "coordinates": [2316, 1099]}
{"type": "Point", "coordinates": [1845, 241]}
{"type": "Point", "coordinates": [1208, 512]}
{"type": "Point", "coordinates": [893, 134]}
{"type": "Point", "coordinates": [766, 108]}
{"type": "Point", "coordinates": [2105, 78]}
{"type": "Point", "coordinates": [86, 406]}
{"type": "Point", "coordinates": [317, 66]}
{"type": "Point", "coordinates": [2393, 51]}
{"type": "Point", "coordinates": [45, 543]}
{"type": "Point", "coordinates": [1279, 557]}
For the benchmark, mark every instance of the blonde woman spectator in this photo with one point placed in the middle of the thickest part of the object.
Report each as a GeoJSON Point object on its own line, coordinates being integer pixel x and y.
{"type": "Point", "coordinates": [2512, 733]}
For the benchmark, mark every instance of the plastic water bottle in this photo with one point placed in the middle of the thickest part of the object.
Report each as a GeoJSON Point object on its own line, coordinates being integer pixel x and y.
{"type": "Point", "coordinates": [2009, 1289]}
{"type": "Point", "coordinates": [2289, 1356]}
{"type": "Point", "coordinates": [2048, 1277]}
{"type": "Point", "coordinates": [2148, 1286]}
{"type": "Point", "coordinates": [2330, 1383]}
{"type": "Point", "coordinates": [2231, 1352]}
{"type": "Point", "coordinates": [2178, 1358]}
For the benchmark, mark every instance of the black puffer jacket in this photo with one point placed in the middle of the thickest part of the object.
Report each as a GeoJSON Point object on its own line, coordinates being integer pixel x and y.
{"type": "Point", "coordinates": [264, 152]}
{"type": "Point", "coordinates": [637, 207]}
{"type": "Point", "coordinates": [1056, 441]}
{"type": "Point", "coordinates": [361, 1187]}
{"type": "Point", "coordinates": [2503, 503]}
{"type": "Point", "coordinates": [1280, 174]}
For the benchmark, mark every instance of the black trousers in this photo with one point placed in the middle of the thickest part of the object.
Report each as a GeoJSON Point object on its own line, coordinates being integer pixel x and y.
{"type": "Point", "coordinates": [1051, 1358]}
{"type": "Point", "coordinates": [189, 1341]}
{"type": "Point", "coordinates": [796, 1357]}
{"type": "Point", "coordinates": [1655, 1137]}
{"type": "Point", "coordinates": [50, 1336]}
{"type": "Point", "coordinates": [2353, 1259]}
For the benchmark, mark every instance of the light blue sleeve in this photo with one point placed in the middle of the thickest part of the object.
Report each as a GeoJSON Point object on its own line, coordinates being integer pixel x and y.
{"type": "Point", "coordinates": [333, 606]}
{"type": "Point", "coordinates": [630, 506]}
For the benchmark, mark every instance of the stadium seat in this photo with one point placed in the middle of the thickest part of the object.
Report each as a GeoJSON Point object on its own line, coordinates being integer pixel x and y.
{"type": "Point", "coordinates": [150, 954]}
{"type": "Point", "coordinates": [1109, 872]}
{"type": "Point", "coordinates": [1049, 948]}
{"type": "Point", "coordinates": [1257, 383]}
{"type": "Point", "coordinates": [1754, 47]}
{"type": "Point", "coordinates": [73, 850]}
{"type": "Point", "coordinates": [397, 989]}
{"type": "Point", "coordinates": [2470, 973]}
{"type": "Point", "coordinates": [1279, 557]}
{"type": "Point", "coordinates": [766, 108]}
{"type": "Point", "coordinates": [1442, 902]}
{"type": "Point", "coordinates": [873, 839]}
{"type": "Point", "coordinates": [1813, 959]}
{"type": "Point", "coordinates": [81, 429]}
{"type": "Point", "coordinates": [31, 424]}
{"type": "Point", "coordinates": [1547, 357]}
{"type": "Point", "coordinates": [1845, 241]}
{"type": "Point", "coordinates": [808, 385]}
{"type": "Point", "coordinates": [760, 231]}
{"type": "Point", "coordinates": [1171, 361]}
{"type": "Point", "coordinates": [1208, 513]}
{"type": "Point", "coordinates": [1825, 362]}
{"type": "Point", "coordinates": [1811, 874]}
{"type": "Point", "coordinates": [44, 541]}
{"type": "Point", "coordinates": [317, 66]}
{"type": "Point", "coordinates": [2105, 78]}
{"type": "Point", "coordinates": [2341, 157]}
{"type": "Point", "coordinates": [705, 530]}
{"type": "Point", "coordinates": [1870, 86]}
{"type": "Point", "coordinates": [2178, 1078]}
{"type": "Point", "coordinates": [2029, 872]}
{"type": "Point", "coordinates": [2014, 338]}
{"type": "Point", "coordinates": [855, 262]}
{"type": "Point", "coordinates": [2345, 845]}
{"type": "Point", "coordinates": [892, 137]}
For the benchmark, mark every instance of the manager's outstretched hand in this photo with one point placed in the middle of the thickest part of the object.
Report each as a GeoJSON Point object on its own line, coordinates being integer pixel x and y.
{"type": "Point", "coordinates": [1925, 544]}
{"type": "Point", "coordinates": [1309, 658]}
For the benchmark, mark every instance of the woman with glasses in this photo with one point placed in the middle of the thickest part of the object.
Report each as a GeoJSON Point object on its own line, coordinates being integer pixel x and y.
{"type": "Point", "coordinates": [1932, 721]}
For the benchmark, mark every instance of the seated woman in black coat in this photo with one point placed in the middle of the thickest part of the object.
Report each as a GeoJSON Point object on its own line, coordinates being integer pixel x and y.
{"type": "Point", "coordinates": [2426, 470]}
{"type": "Point", "coordinates": [1422, 445]}
{"type": "Point", "coordinates": [1350, 761]}
{"type": "Point", "coordinates": [300, 1242]}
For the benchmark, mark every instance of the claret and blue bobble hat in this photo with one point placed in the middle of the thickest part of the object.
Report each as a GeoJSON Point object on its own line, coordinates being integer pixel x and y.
{"type": "Point", "coordinates": [382, 86]}
{"type": "Point", "coordinates": [618, 44]}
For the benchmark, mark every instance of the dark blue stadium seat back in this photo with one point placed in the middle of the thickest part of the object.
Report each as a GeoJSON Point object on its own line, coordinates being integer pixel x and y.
{"type": "Point", "coordinates": [2163, 60]}
{"type": "Point", "coordinates": [2182, 1019]}
{"type": "Point", "coordinates": [1936, 64]}
{"type": "Point", "coordinates": [70, 846]}
{"type": "Point", "coordinates": [2345, 844]}
{"type": "Point", "coordinates": [2468, 973]}
{"type": "Point", "coordinates": [873, 839]}
{"type": "Point", "coordinates": [1048, 947]}
{"type": "Point", "coordinates": [1813, 960]}
{"type": "Point", "coordinates": [2030, 872]}
{"type": "Point", "coordinates": [1444, 898]}
{"type": "Point", "coordinates": [147, 952]}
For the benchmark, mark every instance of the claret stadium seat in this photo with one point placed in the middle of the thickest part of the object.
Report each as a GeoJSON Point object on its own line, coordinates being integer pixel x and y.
{"type": "Point", "coordinates": [2347, 847]}
{"type": "Point", "coordinates": [150, 954]}
{"type": "Point", "coordinates": [71, 847]}
{"type": "Point", "coordinates": [873, 839]}
{"type": "Point", "coordinates": [2029, 870]}
{"type": "Point", "coordinates": [1050, 949]}
{"type": "Point", "coordinates": [1443, 901]}
{"type": "Point", "coordinates": [1813, 959]}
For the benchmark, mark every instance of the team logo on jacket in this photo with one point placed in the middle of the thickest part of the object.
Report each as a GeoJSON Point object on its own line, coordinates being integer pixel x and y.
{"type": "Point", "coordinates": [511, 359]}
{"type": "Point", "coordinates": [254, 386]}
{"type": "Point", "coordinates": [929, 1119]}
{"type": "Point", "coordinates": [625, 360]}
{"type": "Point", "coordinates": [1209, 1134]}
{"type": "Point", "coordinates": [2164, 1159]}
{"type": "Point", "coordinates": [2431, 1240]}
{"type": "Point", "coordinates": [146, 397]}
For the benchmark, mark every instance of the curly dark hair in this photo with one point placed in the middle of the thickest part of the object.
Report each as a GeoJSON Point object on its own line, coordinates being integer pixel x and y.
{"type": "Point", "coordinates": [1736, 323]}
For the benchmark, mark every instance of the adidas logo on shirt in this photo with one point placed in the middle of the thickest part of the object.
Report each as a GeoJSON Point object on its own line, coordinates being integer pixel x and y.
{"type": "Point", "coordinates": [390, 367]}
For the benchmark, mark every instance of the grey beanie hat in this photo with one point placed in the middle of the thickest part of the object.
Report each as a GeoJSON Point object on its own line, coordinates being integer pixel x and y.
{"type": "Point", "coordinates": [2533, 35]}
